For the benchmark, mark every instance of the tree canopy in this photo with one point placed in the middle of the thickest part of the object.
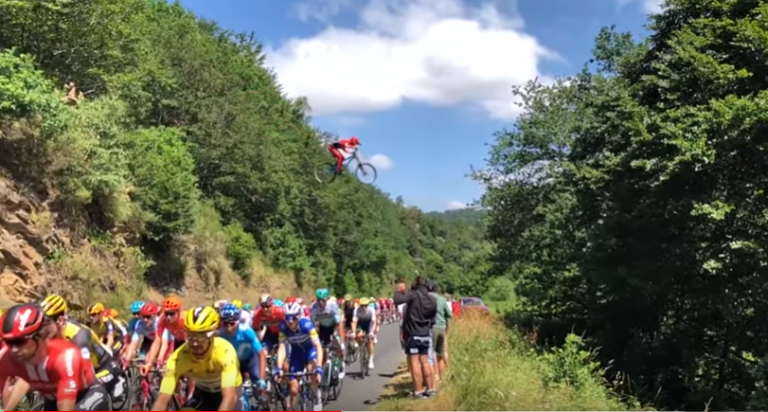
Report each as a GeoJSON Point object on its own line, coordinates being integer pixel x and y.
{"type": "Point", "coordinates": [629, 202]}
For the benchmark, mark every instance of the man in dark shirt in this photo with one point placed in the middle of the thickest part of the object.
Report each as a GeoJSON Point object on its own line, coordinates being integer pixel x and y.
{"type": "Point", "coordinates": [418, 319]}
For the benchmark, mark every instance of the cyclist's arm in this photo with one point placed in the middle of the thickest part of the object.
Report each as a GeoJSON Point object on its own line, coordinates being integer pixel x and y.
{"type": "Point", "coordinates": [318, 346]}
{"type": "Point", "coordinates": [229, 376]}
{"type": "Point", "coordinates": [281, 350]}
{"type": "Point", "coordinates": [110, 334]}
{"type": "Point", "coordinates": [354, 321]}
{"type": "Point", "coordinates": [260, 352]}
{"type": "Point", "coordinates": [70, 371]}
{"type": "Point", "coordinates": [164, 344]}
{"type": "Point", "coordinates": [374, 321]}
{"type": "Point", "coordinates": [168, 385]}
{"type": "Point", "coordinates": [155, 348]}
{"type": "Point", "coordinates": [133, 347]}
{"type": "Point", "coordinates": [16, 394]}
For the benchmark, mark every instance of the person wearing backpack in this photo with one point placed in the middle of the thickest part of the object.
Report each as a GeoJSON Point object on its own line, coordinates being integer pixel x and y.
{"type": "Point", "coordinates": [418, 321]}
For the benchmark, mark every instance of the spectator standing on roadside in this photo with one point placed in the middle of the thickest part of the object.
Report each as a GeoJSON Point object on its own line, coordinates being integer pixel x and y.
{"type": "Point", "coordinates": [418, 319]}
{"type": "Point", "coordinates": [440, 331]}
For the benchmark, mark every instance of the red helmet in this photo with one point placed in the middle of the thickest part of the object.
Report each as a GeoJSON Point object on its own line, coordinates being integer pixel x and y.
{"type": "Point", "coordinates": [21, 321]}
{"type": "Point", "coordinates": [172, 304]}
{"type": "Point", "coordinates": [291, 299]}
{"type": "Point", "coordinates": [354, 140]}
{"type": "Point", "coordinates": [149, 309]}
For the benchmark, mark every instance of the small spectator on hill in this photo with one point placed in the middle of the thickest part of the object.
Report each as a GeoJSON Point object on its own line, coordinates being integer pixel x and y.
{"type": "Point", "coordinates": [418, 319]}
{"type": "Point", "coordinates": [440, 331]}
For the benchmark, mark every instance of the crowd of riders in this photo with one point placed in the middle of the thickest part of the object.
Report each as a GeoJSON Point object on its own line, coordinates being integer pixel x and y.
{"type": "Point", "coordinates": [211, 357]}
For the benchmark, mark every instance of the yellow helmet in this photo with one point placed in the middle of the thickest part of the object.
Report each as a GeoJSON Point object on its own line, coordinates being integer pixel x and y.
{"type": "Point", "coordinates": [96, 309]}
{"type": "Point", "coordinates": [348, 296]}
{"type": "Point", "coordinates": [238, 303]}
{"type": "Point", "coordinates": [364, 301]}
{"type": "Point", "coordinates": [202, 319]}
{"type": "Point", "coordinates": [54, 305]}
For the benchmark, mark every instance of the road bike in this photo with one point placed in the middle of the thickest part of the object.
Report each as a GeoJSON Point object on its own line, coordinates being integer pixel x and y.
{"type": "Point", "coordinates": [364, 172]}
{"type": "Point", "coordinates": [330, 383]}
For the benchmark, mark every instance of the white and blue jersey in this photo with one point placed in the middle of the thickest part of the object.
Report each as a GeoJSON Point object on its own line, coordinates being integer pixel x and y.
{"type": "Point", "coordinates": [247, 346]}
{"type": "Point", "coordinates": [148, 334]}
{"type": "Point", "coordinates": [132, 325]}
{"type": "Point", "coordinates": [328, 318]}
{"type": "Point", "coordinates": [301, 344]}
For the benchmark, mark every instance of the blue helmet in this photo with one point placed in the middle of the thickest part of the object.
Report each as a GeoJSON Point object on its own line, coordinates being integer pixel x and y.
{"type": "Point", "coordinates": [136, 306]}
{"type": "Point", "coordinates": [230, 313]}
{"type": "Point", "coordinates": [277, 302]}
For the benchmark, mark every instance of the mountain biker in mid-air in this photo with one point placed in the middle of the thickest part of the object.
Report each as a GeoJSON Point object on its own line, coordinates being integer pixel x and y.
{"type": "Point", "coordinates": [347, 145]}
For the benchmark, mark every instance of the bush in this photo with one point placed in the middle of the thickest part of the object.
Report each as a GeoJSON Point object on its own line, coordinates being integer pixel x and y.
{"type": "Point", "coordinates": [494, 369]}
{"type": "Point", "coordinates": [241, 249]}
{"type": "Point", "coordinates": [25, 92]}
{"type": "Point", "coordinates": [162, 170]}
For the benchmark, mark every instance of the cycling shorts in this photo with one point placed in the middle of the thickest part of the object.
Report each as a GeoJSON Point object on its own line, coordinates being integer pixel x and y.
{"type": "Point", "coordinates": [299, 358]}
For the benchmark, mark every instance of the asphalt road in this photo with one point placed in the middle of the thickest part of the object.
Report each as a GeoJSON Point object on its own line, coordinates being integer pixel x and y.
{"type": "Point", "coordinates": [362, 394]}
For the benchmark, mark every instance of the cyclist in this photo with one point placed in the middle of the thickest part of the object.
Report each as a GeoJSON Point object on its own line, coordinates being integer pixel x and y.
{"type": "Point", "coordinates": [135, 309]}
{"type": "Point", "coordinates": [172, 322]}
{"type": "Point", "coordinates": [210, 362]}
{"type": "Point", "coordinates": [145, 333]}
{"type": "Point", "coordinates": [246, 315]}
{"type": "Point", "coordinates": [57, 325]}
{"type": "Point", "coordinates": [364, 322]}
{"type": "Point", "coordinates": [305, 352]}
{"type": "Point", "coordinates": [269, 316]}
{"type": "Point", "coordinates": [250, 353]}
{"type": "Point", "coordinates": [49, 366]}
{"type": "Point", "coordinates": [349, 314]}
{"type": "Point", "coordinates": [347, 146]}
{"type": "Point", "coordinates": [329, 320]}
{"type": "Point", "coordinates": [107, 328]}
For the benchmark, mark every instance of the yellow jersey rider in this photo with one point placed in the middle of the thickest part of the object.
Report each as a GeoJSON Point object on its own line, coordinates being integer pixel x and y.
{"type": "Point", "coordinates": [206, 359]}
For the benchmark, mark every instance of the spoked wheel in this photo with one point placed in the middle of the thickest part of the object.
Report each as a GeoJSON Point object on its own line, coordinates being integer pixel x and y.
{"type": "Point", "coordinates": [325, 173]}
{"type": "Point", "coordinates": [336, 390]}
{"type": "Point", "coordinates": [366, 173]}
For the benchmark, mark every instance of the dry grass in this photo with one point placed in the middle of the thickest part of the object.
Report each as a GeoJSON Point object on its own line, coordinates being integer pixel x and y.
{"type": "Point", "coordinates": [492, 369]}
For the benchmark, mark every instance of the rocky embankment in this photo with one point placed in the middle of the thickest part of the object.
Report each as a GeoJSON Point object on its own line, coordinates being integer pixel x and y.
{"type": "Point", "coordinates": [27, 237]}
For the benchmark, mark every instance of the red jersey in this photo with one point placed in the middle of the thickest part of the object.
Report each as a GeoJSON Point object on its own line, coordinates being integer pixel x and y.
{"type": "Point", "coordinates": [271, 320]}
{"type": "Point", "coordinates": [62, 375]}
{"type": "Point", "coordinates": [456, 308]}
{"type": "Point", "coordinates": [346, 144]}
{"type": "Point", "coordinates": [175, 328]}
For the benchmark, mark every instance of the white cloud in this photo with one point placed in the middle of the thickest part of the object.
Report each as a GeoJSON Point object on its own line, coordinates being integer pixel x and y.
{"type": "Point", "coordinates": [321, 10]}
{"type": "Point", "coordinates": [440, 52]}
{"type": "Point", "coordinates": [649, 6]}
{"type": "Point", "coordinates": [380, 162]}
{"type": "Point", "coordinates": [653, 6]}
{"type": "Point", "coordinates": [455, 204]}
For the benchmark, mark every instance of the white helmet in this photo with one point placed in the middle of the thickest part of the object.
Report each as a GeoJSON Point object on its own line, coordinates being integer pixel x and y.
{"type": "Point", "coordinates": [292, 309]}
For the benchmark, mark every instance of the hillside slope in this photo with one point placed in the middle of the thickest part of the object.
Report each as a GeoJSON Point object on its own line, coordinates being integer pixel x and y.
{"type": "Point", "coordinates": [149, 148]}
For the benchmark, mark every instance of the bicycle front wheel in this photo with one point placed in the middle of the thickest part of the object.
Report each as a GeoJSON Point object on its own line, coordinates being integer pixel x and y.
{"type": "Point", "coordinates": [366, 173]}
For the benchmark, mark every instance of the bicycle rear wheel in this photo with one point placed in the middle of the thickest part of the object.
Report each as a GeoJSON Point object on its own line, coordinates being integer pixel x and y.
{"type": "Point", "coordinates": [325, 174]}
{"type": "Point", "coordinates": [366, 173]}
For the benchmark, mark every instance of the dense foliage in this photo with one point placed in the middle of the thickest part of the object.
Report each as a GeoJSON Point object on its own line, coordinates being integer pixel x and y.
{"type": "Point", "coordinates": [629, 203]}
{"type": "Point", "coordinates": [178, 114]}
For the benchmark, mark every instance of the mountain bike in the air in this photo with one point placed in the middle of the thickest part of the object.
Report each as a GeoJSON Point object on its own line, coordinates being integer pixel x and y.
{"type": "Point", "coordinates": [364, 172]}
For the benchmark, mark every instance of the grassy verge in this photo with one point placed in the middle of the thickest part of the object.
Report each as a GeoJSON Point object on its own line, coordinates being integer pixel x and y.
{"type": "Point", "coordinates": [492, 368]}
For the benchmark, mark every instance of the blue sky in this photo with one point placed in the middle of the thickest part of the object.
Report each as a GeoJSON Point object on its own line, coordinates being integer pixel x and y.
{"type": "Point", "coordinates": [424, 84]}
